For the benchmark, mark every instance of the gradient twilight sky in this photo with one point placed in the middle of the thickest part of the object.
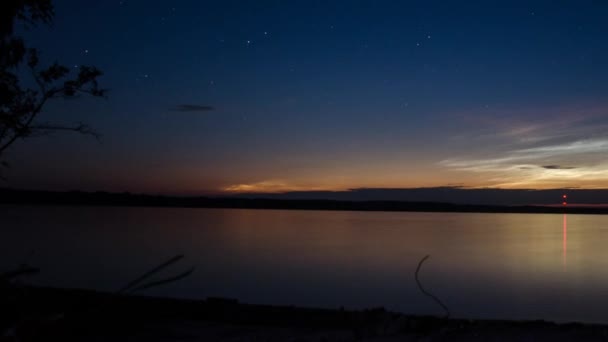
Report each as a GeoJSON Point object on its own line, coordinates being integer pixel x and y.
{"type": "Point", "coordinates": [327, 95]}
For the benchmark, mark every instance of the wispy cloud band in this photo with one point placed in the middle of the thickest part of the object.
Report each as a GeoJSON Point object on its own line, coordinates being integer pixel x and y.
{"type": "Point", "coordinates": [192, 108]}
{"type": "Point", "coordinates": [580, 161]}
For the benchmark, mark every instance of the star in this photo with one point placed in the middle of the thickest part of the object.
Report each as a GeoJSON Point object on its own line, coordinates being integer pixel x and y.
{"type": "Point", "coordinates": [265, 33]}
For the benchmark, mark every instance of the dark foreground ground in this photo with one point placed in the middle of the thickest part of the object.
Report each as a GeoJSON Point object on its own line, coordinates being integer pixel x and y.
{"type": "Point", "coordinates": [46, 314]}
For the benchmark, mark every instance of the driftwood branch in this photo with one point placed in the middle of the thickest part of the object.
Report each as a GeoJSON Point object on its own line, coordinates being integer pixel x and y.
{"type": "Point", "coordinates": [135, 284]}
{"type": "Point", "coordinates": [428, 294]}
{"type": "Point", "coordinates": [163, 281]}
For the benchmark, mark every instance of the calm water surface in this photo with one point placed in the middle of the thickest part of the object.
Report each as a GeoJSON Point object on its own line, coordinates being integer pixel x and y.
{"type": "Point", "coordinates": [516, 266]}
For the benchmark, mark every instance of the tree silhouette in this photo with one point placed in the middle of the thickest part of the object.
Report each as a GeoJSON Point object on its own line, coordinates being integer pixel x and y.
{"type": "Point", "coordinates": [21, 105]}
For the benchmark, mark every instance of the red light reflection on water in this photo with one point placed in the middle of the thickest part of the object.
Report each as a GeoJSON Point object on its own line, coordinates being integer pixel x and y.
{"type": "Point", "coordinates": [565, 241]}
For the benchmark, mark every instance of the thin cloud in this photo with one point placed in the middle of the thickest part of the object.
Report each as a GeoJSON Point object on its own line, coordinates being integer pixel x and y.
{"type": "Point", "coordinates": [576, 147]}
{"type": "Point", "coordinates": [539, 148]}
{"type": "Point", "coordinates": [267, 186]}
{"type": "Point", "coordinates": [521, 156]}
{"type": "Point", "coordinates": [542, 125]}
{"type": "Point", "coordinates": [542, 166]}
{"type": "Point", "coordinates": [557, 167]}
{"type": "Point", "coordinates": [192, 108]}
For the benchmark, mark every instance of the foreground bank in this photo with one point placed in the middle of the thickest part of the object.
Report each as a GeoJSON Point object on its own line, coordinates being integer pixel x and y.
{"type": "Point", "coordinates": [42, 314]}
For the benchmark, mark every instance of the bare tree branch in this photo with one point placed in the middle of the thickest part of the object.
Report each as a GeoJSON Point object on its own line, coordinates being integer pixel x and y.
{"type": "Point", "coordinates": [21, 106]}
{"type": "Point", "coordinates": [85, 83]}
{"type": "Point", "coordinates": [80, 127]}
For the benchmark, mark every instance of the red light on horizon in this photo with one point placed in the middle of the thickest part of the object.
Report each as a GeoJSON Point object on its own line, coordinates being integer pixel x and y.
{"type": "Point", "coordinates": [564, 203]}
{"type": "Point", "coordinates": [564, 196]}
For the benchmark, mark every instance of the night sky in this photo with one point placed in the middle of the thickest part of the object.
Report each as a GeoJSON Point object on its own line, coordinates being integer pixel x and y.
{"type": "Point", "coordinates": [265, 96]}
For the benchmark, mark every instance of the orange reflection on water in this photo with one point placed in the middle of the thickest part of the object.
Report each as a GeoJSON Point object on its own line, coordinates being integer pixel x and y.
{"type": "Point", "coordinates": [565, 240]}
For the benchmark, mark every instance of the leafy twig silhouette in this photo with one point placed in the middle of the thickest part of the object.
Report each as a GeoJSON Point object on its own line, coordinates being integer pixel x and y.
{"type": "Point", "coordinates": [22, 270]}
{"type": "Point", "coordinates": [428, 294]}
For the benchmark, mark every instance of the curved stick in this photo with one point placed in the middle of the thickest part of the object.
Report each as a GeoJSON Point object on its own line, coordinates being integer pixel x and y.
{"type": "Point", "coordinates": [163, 281]}
{"type": "Point", "coordinates": [428, 294]}
{"type": "Point", "coordinates": [150, 273]}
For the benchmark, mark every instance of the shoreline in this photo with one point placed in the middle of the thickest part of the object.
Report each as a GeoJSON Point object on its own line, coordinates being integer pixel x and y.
{"type": "Point", "coordinates": [92, 315]}
{"type": "Point", "coordinates": [77, 198]}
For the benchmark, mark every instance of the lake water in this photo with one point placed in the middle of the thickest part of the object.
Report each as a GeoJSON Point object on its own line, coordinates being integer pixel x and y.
{"type": "Point", "coordinates": [514, 266]}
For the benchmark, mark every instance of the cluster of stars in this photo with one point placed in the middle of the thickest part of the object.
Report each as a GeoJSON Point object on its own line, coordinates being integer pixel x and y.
{"type": "Point", "coordinates": [249, 42]}
{"type": "Point", "coordinates": [163, 19]}
{"type": "Point", "coordinates": [428, 36]}
{"type": "Point", "coordinates": [144, 76]}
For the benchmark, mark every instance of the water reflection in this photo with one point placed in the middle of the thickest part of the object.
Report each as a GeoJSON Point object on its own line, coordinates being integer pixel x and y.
{"type": "Point", "coordinates": [565, 241]}
{"type": "Point", "coordinates": [483, 265]}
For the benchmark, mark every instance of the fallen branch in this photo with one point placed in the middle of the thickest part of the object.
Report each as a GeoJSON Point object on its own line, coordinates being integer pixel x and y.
{"type": "Point", "coordinates": [428, 294]}
{"type": "Point", "coordinates": [135, 284]}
